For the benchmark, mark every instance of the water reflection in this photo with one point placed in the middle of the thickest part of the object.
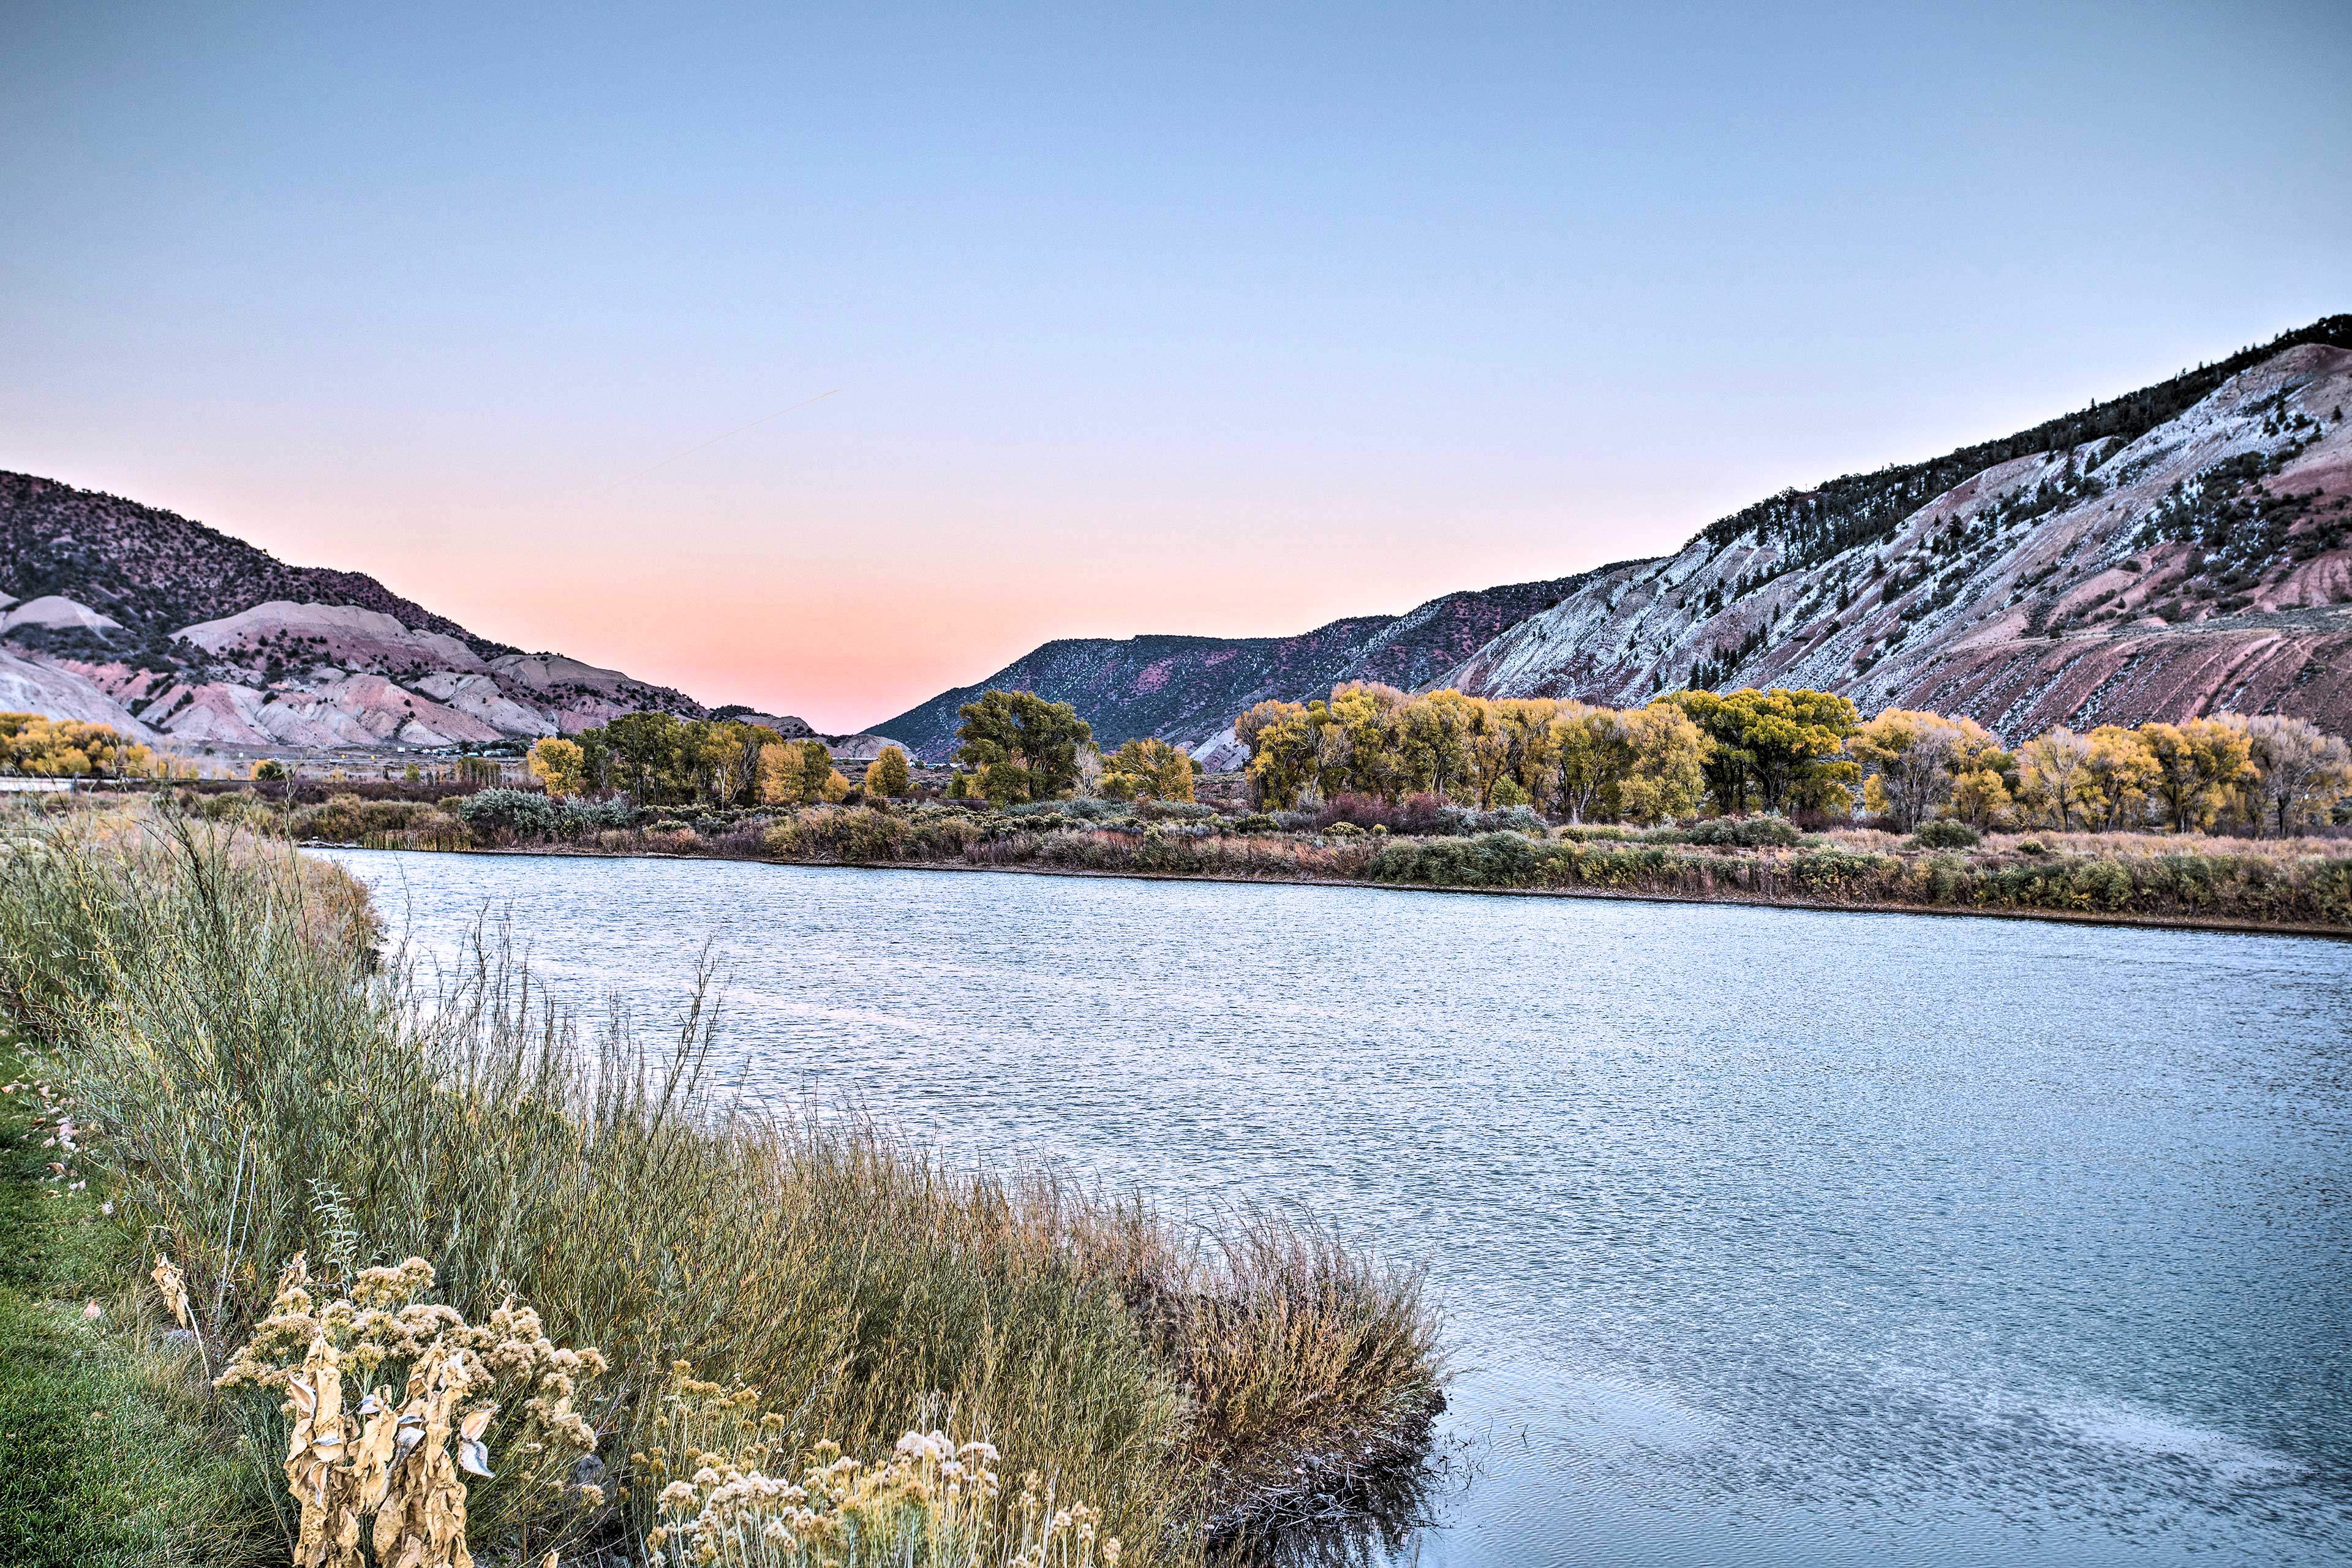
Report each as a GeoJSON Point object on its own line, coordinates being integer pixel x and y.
{"type": "Point", "coordinates": [1349, 1518]}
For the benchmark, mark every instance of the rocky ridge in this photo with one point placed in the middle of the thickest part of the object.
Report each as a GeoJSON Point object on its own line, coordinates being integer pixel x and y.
{"type": "Point", "coordinates": [2201, 563]}
{"type": "Point", "coordinates": [2180, 549]}
{"type": "Point", "coordinates": [168, 629]}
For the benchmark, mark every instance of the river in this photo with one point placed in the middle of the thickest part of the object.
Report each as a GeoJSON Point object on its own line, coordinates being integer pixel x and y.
{"type": "Point", "coordinates": [1763, 1237]}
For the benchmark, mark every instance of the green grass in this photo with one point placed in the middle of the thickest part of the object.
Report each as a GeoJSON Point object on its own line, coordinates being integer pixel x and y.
{"type": "Point", "coordinates": [266, 1087]}
{"type": "Point", "coordinates": [106, 1457]}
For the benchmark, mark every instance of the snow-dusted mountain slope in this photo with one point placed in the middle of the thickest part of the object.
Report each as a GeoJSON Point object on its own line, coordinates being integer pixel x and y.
{"type": "Point", "coordinates": [2183, 550]}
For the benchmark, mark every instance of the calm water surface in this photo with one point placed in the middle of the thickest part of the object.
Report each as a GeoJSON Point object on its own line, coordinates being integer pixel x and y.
{"type": "Point", "coordinates": [1763, 1237]}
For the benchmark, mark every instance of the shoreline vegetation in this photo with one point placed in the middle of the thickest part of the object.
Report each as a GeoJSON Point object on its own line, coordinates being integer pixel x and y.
{"type": "Point", "coordinates": [231, 1077]}
{"type": "Point", "coordinates": [1776, 797]}
{"type": "Point", "coordinates": [2301, 885]}
{"type": "Point", "coordinates": [2082, 916]}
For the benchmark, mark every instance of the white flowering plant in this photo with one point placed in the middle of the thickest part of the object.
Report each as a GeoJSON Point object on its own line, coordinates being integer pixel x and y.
{"type": "Point", "coordinates": [723, 1491]}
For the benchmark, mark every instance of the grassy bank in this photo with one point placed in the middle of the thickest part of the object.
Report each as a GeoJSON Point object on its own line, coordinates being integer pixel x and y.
{"type": "Point", "coordinates": [2298, 884]}
{"type": "Point", "coordinates": [210, 1000]}
{"type": "Point", "coordinates": [108, 1457]}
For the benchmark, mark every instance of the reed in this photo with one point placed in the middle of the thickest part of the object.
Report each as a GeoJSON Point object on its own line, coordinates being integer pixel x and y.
{"type": "Point", "coordinates": [265, 1086]}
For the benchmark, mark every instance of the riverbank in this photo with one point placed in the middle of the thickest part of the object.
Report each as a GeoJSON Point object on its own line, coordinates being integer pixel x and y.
{"type": "Point", "coordinates": [106, 1454]}
{"type": "Point", "coordinates": [2298, 886]}
{"type": "Point", "coordinates": [267, 1088]}
{"type": "Point", "coordinates": [2147, 922]}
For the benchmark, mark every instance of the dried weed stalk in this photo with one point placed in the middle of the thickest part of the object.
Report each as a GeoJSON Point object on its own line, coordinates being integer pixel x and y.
{"type": "Point", "coordinates": [390, 1458]}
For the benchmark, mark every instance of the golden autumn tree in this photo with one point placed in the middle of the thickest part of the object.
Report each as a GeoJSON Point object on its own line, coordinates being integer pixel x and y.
{"type": "Point", "coordinates": [2301, 772]}
{"type": "Point", "coordinates": [799, 773]}
{"type": "Point", "coordinates": [1666, 769]}
{"type": "Point", "coordinates": [2055, 785]}
{"type": "Point", "coordinates": [2122, 771]}
{"type": "Point", "coordinates": [38, 746]}
{"type": "Point", "coordinates": [560, 765]}
{"type": "Point", "coordinates": [888, 777]}
{"type": "Point", "coordinates": [1148, 768]}
{"type": "Point", "coordinates": [2198, 762]}
{"type": "Point", "coordinates": [1915, 760]}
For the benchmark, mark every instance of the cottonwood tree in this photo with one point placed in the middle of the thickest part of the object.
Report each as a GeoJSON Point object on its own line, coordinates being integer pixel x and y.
{"type": "Point", "coordinates": [799, 773]}
{"type": "Point", "coordinates": [2198, 762]}
{"type": "Point", "coordinates": [2301, 773]}
{"type": "Point", "coordinates": [2122, 771]}
{"type": "Point", "coordinates": [1592, 756]}
{"type": "Point", "coordinates": [560, 765]}
{"type": "Point", "coordinates": [42, 747]}
{"type": "Point", "coordinates": [1783, 748]}
{"type": "Point", "coordinates": [1666, 776]}
{"type": "Point", "coordinates": [1916, 762]}
{"type": "Point", "coordinates": [1148, 768]}
{"type": "Point", "coordinates": [1017, 746]}
{"type": "Point", "coordinates": [888, 777]}
{"type": "Point", "coordinates": [2055, 777]}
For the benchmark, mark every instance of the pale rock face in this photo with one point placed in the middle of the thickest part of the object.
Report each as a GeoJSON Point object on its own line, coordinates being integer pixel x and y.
{"type": "Point", "coordinates": [56, 613]}
{"type": "Point", "coordinates": [29, 687]}
{"type": "Point", "coordinates": [350, 636]}
{"type": "Point", "coordinates": [857, 748]}
{"type": "Point", "coordinates": [355, 710]}
{"type": "Point", "coordinates": [2021, 595]}
{"type": "Point", "coordinates": [481, 697]}
{"type": "Point", "coordinates": [785, 725]}
{"type": "Point", "coordinates": [541, 670]}
{"type": "Point", "coordinates": [1221, 752]}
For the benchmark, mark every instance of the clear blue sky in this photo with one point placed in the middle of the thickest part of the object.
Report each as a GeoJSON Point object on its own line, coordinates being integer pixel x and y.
{"type": "Point", "coordinates": [1219, 318]}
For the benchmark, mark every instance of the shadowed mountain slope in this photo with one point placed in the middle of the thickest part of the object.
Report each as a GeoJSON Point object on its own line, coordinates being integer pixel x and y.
{"type": "Point", "coordinates": [108, 608]}
{"type": "Point", "coordinates": [1188, 690]}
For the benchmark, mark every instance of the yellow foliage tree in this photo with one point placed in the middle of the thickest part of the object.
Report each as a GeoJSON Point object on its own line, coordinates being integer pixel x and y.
{"type": "Point", "coordinates": [1915, 760]}
{"type": "Point", "coordinates": [2122, 771]}
{"type": "Point", "coordinates": [561, 765]}
{"type": "Point", "coordinates": [2199, 764]}
{"type": "Point", "coordinates": [1148, 768]}
{"type": "Point", "coordinates": [799, 773]}
{"type": "Point", "coordinates": [888, 777]}
{"type": "Point", "coordinates": [2054, 782]}
{"type": "Point", "coordinates": [40, 747]}
{"type": "Point", "coordinates": [2302, 773]}
{"type": "Point", "coordinates": [1665, 773]}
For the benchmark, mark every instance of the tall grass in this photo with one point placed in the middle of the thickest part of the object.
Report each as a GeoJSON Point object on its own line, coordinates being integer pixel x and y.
{"type": "Point", "coordinates": [265, 1088]}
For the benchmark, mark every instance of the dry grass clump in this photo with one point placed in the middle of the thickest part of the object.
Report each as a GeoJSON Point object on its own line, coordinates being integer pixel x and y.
{"type": "Point", "coordinates": [207, 1001]}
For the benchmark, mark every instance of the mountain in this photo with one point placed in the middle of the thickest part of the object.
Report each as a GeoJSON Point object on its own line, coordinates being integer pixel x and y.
{"type": "Point", "coordinates": [141, 617]}
{"type": "Point", "coordinates": [1189, 689]}
{"type": "Point", "coordinates": [2185, 548]}
{"type": "Point", "coordinates": [2180, 549]}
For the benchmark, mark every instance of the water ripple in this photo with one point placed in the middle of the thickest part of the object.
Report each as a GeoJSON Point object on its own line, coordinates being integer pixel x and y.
{"type": "Point", "coordinates": [1765, 1237]}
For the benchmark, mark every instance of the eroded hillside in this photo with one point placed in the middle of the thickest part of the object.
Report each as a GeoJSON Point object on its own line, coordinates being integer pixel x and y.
{"type": "Point", "coordinates": [2203, 561]}
{"type": "Point", "coordinates": [140, 617]}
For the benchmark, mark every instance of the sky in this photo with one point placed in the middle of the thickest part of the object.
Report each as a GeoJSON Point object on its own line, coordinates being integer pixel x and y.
{"type": "Point", "coordinates": [1218, 318]}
